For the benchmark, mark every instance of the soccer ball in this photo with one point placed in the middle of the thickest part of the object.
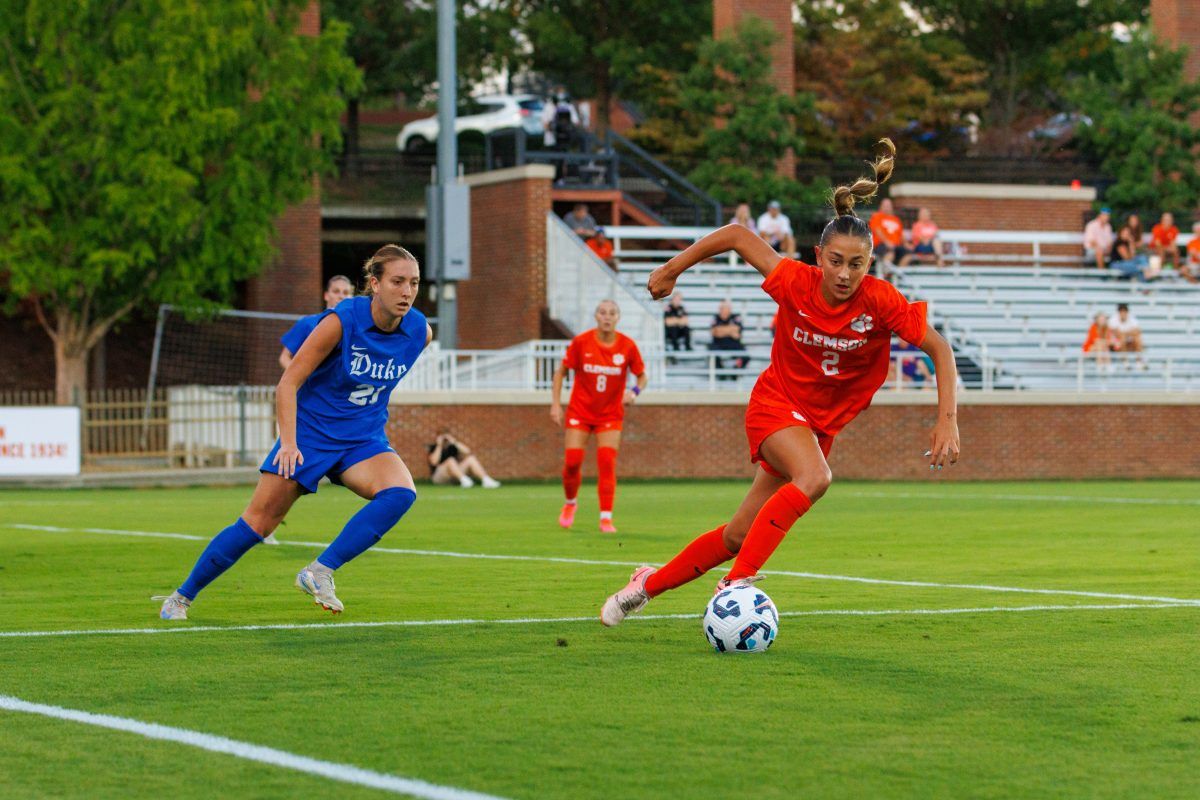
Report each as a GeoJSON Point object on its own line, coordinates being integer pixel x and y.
{"type": "Point", "coordinates": [741, 619]}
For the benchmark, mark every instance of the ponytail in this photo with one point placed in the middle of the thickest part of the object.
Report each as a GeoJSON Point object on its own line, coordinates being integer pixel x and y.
{"type": "Point", "coordinates": [843, 198]}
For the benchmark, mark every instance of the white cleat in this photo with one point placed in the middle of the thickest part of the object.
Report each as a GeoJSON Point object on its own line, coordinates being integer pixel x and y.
{"type": "Point", "coordinates": [725, 583]}
{"type": "Point", "coordinates": [175, 606]}
{"type": "Point", "coordinates": [490, 483]}
{"type": "Point", "coordinates": [630, 600]}
{"type": "Point", "coordinates": [320, 586]}
{"type": "Point", "coordinates": [270, 539]}
{"type": "Point", "coordinates": [466, 482]}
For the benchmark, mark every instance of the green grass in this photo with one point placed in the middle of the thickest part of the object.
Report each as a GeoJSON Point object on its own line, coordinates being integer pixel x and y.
{"type": "Point", "coordinates": [1053, 703]}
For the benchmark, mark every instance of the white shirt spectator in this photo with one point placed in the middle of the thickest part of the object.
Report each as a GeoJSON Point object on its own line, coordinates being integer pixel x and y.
{"type": "Point", "coordinates": [774, 227]}
{"type": "Point", "coordinates": [1123, 326]}
{"type": "Point", "coordinates": [1098, 235]}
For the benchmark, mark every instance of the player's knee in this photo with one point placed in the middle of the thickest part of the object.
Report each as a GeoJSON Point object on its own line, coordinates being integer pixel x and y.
{"type": "Point", "coordinates": [814, 483]}
{"type": "Point", "coordinates": [732, 537]}
{"type": "Point", "coordinates": [262, 521]}
{"type": "Point", "coordinates": [574, 459]}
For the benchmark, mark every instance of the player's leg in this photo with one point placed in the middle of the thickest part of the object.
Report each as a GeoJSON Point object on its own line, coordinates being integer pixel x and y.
{"type": "Point", "coordinates": [608, 442]}
{"type": "Point", "coordinates": [384, 480]}
{"type": "Point", "coordinates": [269, 504]}
{"type": "Point", "coordinates": [574, 440]}
{"type": "Point", "coordinates": [795, 453]}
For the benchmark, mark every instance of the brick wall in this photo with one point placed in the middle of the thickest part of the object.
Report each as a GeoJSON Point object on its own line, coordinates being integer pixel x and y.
{"type": "Point", "coordinates": [1178, 22]}
{"type": "Point", "coordinates": [503, 302]}
{"type": "Point", "coordinates": [778, 14]}
{"type": "Point", "coordinates": [1057, 438]}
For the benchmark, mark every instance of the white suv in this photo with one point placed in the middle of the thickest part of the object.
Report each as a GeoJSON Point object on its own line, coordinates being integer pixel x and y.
{"type": "Point", "coordinates": [483, 114]}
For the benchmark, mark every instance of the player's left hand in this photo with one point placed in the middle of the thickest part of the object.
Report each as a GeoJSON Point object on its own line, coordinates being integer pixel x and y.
{"type": "Point", "coordinates": [943, 443]}
{"type": "Point", "coordinates": [661, 283]}
{"type": "Point", "coordinates": [630, 397]}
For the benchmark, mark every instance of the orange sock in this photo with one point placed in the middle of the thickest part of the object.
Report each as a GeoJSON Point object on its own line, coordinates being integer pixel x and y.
{"type": "Point", "coordinates": [572, 472]}
{"type": "Point", "coordinates": [606, 484]}
{"type": "Point", "coordinates": [771, 524]}
{"type": "Point", "coordinates": [705, 552]}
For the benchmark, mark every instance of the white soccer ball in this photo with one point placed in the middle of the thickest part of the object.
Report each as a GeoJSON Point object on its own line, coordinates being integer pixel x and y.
{"type": "Point", "coordinates": [741, 619]}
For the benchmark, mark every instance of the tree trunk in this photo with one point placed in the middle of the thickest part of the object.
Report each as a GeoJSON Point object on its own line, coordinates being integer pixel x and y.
{"type": "Point", "coordinates": [70, 371]}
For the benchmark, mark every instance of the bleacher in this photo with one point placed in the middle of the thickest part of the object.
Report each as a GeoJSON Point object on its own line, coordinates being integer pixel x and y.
{"type": "Point", "coordinates": [1017, 321]}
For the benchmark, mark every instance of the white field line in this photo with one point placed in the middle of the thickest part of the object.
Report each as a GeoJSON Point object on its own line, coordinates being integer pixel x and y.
{"type": "Point", "coordinates": [1045, 498]}
{"type": "Point", "coordinates": [424, 623]}
{"type": "Point", "coordinates": [344, 773]}
{"type": "Point", "coordinates": [595, 562]}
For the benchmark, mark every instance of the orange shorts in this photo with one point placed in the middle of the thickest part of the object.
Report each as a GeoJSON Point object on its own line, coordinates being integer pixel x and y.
{"type": "Point", "coordinates": [762, 420]}
{"type": "Point", "coordinates": [589, 426]}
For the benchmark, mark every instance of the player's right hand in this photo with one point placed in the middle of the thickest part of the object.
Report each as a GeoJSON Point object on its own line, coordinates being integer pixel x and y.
{"type": "Point", "coordinates": [661, 283]}
{"type": "Point", "coordinates": [288, 458]}
{"type": "Point", "coordinates": [556, 414]}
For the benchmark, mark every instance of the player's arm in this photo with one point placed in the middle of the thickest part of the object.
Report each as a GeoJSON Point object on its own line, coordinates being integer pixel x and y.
{"type": "Point", "coordinates": [428, 334]}
{"type": "Point", "coordinates": [556, 413]}
{"type": "Point", "coordinates": [943, 444]}
{"type": "Point", "coordinates": [285, 358]}
{"type": "Point", "coordinates": [753, 250]}
{"type": "Point", "coordinates": [315, 349]}
{"type": "Point", "coordinates": [632, 394]}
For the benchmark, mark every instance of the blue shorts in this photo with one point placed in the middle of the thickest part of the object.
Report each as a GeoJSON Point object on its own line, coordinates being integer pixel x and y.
{"type": "Point", "coordinates": [321, 463]}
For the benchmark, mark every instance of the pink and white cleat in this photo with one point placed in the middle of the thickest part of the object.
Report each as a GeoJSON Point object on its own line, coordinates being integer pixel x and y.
{"type": "Point", "coordinates": [567, 518]}
{"type": "Point", "coordinates": [606, 525]}
{"type": "Point", "coordinates": [725, 583]}
{"type": "Point", "coordinates": [630, 600]}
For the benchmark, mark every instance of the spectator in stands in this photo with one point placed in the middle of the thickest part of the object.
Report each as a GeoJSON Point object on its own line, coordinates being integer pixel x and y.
{"type": "Point", "coordinates": [727, 338]}
{"type": "Point", "coordinates": [776, 230]}
{"type": "Point", "coordinates": [915, 367]}
{"type": "Point", "coordinates": [337, 289]}
{"type": "Point", "coordinates": [1099, 340]}
{"type": "Point", "coordinates": [579, 220]}
{"type": "Point", "coordinates": [602, 246]}
{"type": "Point", "coordinates": [741, 216]}
{"type": "Point", "coordinates": [1127, 256]}
{"type": "Point", "coordinates": [560, 121]}
{"type": "Point", "coordinates": [675, 319]}
{"type": "Point", "coordinates": [887, 232]}
{"type": "Point", "coordinates": [1127, 333]}
{"type": "Point", "coordinates": [451, 461]}
{"type": "Point", "coordinates": [1162, 240]}
{"type": "Point", "coordinates": [1098, 239]}
{"type": "Point", "coordinates": [1134, 223]}
{"type": "Point", "coordinates": [1191, 265]}
{"type": "Point", "coordinates": [926, 246]}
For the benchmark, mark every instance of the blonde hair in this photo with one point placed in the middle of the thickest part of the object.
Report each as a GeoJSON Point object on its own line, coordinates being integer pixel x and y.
{"type": "Point", "coordinates": [843, 198]}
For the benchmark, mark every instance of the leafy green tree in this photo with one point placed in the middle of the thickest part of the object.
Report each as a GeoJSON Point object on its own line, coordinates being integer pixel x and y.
{"type": "Point", "coordinates": [146, 150]}
{"type": "Point", "coordinates": [874, 73]}
{"type": "Point", "coordinates": [1143, 126]}
{"type": "Point", "coordinates": [1030, 47]}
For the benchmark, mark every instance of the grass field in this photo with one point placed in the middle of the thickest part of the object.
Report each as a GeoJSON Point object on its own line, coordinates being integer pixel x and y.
{"type": "Point", "coordinates": [947, 688]}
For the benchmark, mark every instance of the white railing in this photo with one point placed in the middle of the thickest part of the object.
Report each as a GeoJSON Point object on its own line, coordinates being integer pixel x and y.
{"type": "Point", "coordinates": [576, 282]}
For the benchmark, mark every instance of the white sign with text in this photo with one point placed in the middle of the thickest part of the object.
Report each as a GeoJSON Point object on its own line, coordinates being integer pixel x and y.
{"type": "Point", "coordinates": [39, 441]}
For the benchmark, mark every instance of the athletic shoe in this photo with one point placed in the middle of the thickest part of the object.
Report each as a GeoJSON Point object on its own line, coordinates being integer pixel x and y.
{"type": "Point", "coordinates": [488, 482]}
{"type": "Point", "coordinates": [606, 526]}
{"type": "Point", "coordinates": [320, 586]}
{"type": "Point", "coordinates": [630, 600]}
{"type": "Point", "coordinates": [174, 606]}
{"type": "Point", "coordinates": [270, 539]}
{"type": "Point", "coordinates": [725, 583]}
{"type": "Point", "coordinates": [567, 517]}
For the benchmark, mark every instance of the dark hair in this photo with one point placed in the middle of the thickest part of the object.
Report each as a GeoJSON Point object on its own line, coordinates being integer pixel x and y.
{"type": "Point", "coordinates": [843, 198]}
{"type": "Point", "coordinates": [373, 268]}
{"type": "Point", "coordinates": [329, 283]}
{"type": "Point", "coordinates": [1122, 306]}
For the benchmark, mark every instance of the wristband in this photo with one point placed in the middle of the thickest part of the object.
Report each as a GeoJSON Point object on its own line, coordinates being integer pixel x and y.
{"type": "Point", "coordinates": [636, 390]}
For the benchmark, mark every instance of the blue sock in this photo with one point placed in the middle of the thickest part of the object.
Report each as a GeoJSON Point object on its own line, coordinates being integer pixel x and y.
{"type": "Point", "coordinates": [222, 552]}
{"type": "Point", "coordinates": [368, 526]}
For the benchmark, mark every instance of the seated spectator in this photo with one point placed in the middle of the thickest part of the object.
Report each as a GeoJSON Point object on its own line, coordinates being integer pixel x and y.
{"type": "Point", "coordinates": [1162, 240]}
{"type": "Point", "coordinates": [675, 318]}
{"type": "Point", "coordinates": [741, 216]}
{"type": "Point", "coordinates": [727, 337]}
{"type": "Point", "coordinates": [1127, 256]}
{"type": "Point", "coordinates": [1191, 265]}
{"type": "Point", "coordinates": [926, 246]}
{"type": "Point", "coordinates": [915, 367]}
{"type": "Point", "coordinates": [887, 233]}
{"type": "Point", "coordinates": [776, 230]}
{"type": "Point", "coordinates": [579, 220]}
{"type": "Point", "coordinates": [1099, 339]}
{"type": "Point", "coordinates": [1098, 239]}
{"type": "Point", "coordinates": [450, 461]}
{"type": "Point", "coordinates": [602, 246]}
{"type": "Point", "coordinates": [1127, 333]}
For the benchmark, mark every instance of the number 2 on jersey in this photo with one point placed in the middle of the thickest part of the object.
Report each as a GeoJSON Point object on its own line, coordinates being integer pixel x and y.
{"type": "Point", "coordinates": [830, 365]}
{"type": "Point", "coordinates": [365, 394]}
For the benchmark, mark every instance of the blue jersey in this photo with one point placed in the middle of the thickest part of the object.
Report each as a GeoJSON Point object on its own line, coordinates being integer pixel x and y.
{"type": "Point", "coordinates": [300, 331]}
{"type": "Point", "coordinates": [345, 400]}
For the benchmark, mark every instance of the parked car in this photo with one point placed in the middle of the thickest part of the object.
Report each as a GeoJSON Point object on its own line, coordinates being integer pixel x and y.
{"type": "Point", "coordinates": [481, 114]}
{"type": "Point", "coordinates": [1060, 126]}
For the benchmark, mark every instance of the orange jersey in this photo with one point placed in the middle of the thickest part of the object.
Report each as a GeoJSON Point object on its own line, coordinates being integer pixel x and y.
{"type": "Point", "coordinates": [1193, 250]}
{"type": "Point", "coordinates": [887, 228]}
{"type": "Point", "coordinates": [598, 394]}
{"type": "Point", "coordinates": [828, 361]}
{"type": "Point", "coordinates": [1163, 236]}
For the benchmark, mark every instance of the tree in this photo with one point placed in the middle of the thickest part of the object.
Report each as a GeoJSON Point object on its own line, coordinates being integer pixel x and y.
{"type": "Point", "coordinates": [1030, 48]}
{"type": "Point", "coordinates": [146, 150]}
{"type": "Point", "coordinates": [874, 73]}
{"type": "Point", "coordinates": [1142, 127]}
